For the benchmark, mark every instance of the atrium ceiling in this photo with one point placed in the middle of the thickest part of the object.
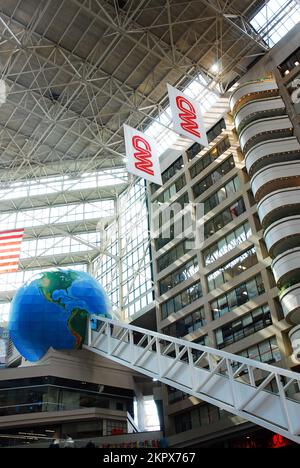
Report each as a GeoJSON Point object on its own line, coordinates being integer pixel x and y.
{"type": "Point", "coordinates": [76, 70]}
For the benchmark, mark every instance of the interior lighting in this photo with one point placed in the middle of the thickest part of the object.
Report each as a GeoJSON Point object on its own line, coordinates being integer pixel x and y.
{"type": "Point", "coordinates": [215, 68]}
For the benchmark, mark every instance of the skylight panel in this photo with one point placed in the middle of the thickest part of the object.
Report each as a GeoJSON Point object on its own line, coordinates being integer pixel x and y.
{"type": "Point", "coordinates": [275, 19]}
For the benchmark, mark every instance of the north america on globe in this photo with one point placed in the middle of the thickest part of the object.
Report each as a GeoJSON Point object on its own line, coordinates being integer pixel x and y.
{"type": "Point", "coordinates": [51, 310]}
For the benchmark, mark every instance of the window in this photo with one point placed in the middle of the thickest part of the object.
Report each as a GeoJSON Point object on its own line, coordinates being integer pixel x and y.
{"type": "Point", "coordinates": [247, 325]}
{"type": "Point", "coordinates": [172, 190]}
{"type": "Point", "coordinates": [129, 239]}
{"type": "Point", "coordinates": [183, 422]}
{"type": "Point", "coordinates": [208, 414]}
{"type": "Point", "coordinates": [57, 214]}
{"type": "Point", "coordinates": [220, 195]}
{"type": "Point", "coordinates": [180, 301]}
{"type": "Point", "coordinates": [186, 325]}
{"type": "Point", "coordinates": [209, 157]}
{"type": "Point", "coordinates": [267, 351]}
{"type": "Point", "coordinates": [213, 133]}
{"type": "Point", "coordinates": [223, 218]}
{"type": "Point", "coordinates": [183, 273]}
{"type": "Point", "coordinates": [175, 395]}
{"type": "Point", "coordinates": [166, 223]}
{"type": "Point", "coordinates": [275, 19]}
{"type": "Point", "coordinates": [172, 255]}
{"type": "Point", "coordinates": [238, 296]}
{"type": "Point", "coordinates": [227, 243]}
{"type": "Point", "coordinates": [232, 269]}
{"type": "Point", "coordinates": [214, 177]}
{"type": "Point", "coordinates": [107, 177]}
{"type": "Point", "coordinates": [203, 341]}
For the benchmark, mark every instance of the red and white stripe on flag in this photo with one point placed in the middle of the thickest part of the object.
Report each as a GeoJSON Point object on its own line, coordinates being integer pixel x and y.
{"type": "Point", "coordinates": [10, 249]}
{"type": "Point", "coordinates": [142, 155]}
{"type": "Point", "coordinates": [187, 116]}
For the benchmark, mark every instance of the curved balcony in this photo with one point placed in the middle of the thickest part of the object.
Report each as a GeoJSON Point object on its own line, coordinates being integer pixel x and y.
{"type": "Point", "coordinates": [294, 336]}
{"type": "Point", "coordinates": [279, 204]}
{"type": "Point", "coordinates": [258, 109]}
{"type": "Point", "coordinates": [275, 177]}
{"type": "Point", "coordinates": [290, 301]}
{"type": "Point", "coordinates": [272, 151]}
{"type": "Point", "coordinates": [283, 235]}
{"type": "Point", "coordinates": [250, 88]}
{"type": "Point", "coordinates": [286, 266]}
{"type": "Point", "coordinates": [262, 129]}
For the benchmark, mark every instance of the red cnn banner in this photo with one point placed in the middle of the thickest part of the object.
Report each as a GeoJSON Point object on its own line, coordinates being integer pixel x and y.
{"type": "Point", "coordinates": [187, 117]}
{"type": "Point", "coordinates": [142, 155]}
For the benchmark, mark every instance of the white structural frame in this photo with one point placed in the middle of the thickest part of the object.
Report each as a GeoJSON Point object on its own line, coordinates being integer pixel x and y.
{"type": "Point", "coordinates": [233, 383]}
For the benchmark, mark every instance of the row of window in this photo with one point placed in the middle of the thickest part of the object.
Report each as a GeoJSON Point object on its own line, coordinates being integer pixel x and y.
{"type": "Point", "coordinates": [178, 276]}
{"type": "Point", "coordinates": [167, 227]}
{"type": "Point", "coordinates": [181, 300]}
{"type": "Point", "coordinates": [169, 173]}
{"type": "Point", "coordinates": [214, 177]}
{"type": "Point", "coordinates": [172, 190]}
{"type": "Point", "coordinates": [267, 351]}
{"type": "Point", "coordinates": [203, 415]}
{"type": "Point", "coordinates": [232, 269]}
{"type": "Point", "coordinates": [47, 185]}
{"type": "Point", "coordinates": [57, 214]}
{"type": "Point", "coordinates": [186, 325]}
{"type": "Point", "coordinates": [213, 133]}
{"type": "Point", "coordinates": [238, 296]}
{"type": "Point", "coordinates": [59, 245]}
{"type": "Point", "coordinates": [15, 280]}
{"type": "Point", "coordinates": [233, 186]}
{"type": "Point", "coordinates": [224, 245]}
{"type": "Point", "coordinates": [224, 218]}
{"type": "Point", "coordinates": [172, 255]}
{"type": "Point", "coordinates": [209, 157]}
{"type": "Point", "coordinates": [129, 238]}
{"type": "Point", "coordinates": [227, 243]}
{"type": "Point", "coordinates": [256, 320]}
{"type": "Point", "coordinates": [168, 210]}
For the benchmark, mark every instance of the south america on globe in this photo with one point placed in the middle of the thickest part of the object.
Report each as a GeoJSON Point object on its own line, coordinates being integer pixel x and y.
{"type": "Point", "coordinates": [51, 310]}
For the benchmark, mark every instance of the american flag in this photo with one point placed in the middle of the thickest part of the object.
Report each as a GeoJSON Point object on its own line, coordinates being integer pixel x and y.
{"type": "Point", "coordinates": [10, 249]}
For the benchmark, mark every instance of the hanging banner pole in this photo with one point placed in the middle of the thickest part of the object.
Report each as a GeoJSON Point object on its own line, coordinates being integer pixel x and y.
{"type": "Point", "coordinates": [187, 116]}
{"type": "Point", "coordinates": [142, 155]}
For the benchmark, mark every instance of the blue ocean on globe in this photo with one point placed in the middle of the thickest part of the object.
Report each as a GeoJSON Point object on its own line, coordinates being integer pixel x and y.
{"type": "Point", "coordinates": [51, 310]}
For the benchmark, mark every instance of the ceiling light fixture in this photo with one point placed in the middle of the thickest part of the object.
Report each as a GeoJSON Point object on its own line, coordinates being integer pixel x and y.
{"type": "Point", "coordinates": [215, 68]}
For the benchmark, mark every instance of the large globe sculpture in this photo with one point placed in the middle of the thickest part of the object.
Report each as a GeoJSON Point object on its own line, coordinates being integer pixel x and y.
{"type": "Point", "coordinates": [51, 310]}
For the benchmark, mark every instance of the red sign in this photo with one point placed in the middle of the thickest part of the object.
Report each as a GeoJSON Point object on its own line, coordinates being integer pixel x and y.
{"type": "Point", "coordinates": [142, 155]}
{"type": "Point", "coordinates": [187, 116]}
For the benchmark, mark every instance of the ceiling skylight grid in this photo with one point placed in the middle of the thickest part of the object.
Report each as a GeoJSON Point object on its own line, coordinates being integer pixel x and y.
{"type": "Point", "coordinates": [275, 19]}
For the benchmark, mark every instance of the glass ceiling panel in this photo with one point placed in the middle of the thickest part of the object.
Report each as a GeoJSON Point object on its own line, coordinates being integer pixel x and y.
{"type": "Point", "coordinates": [275, 19]}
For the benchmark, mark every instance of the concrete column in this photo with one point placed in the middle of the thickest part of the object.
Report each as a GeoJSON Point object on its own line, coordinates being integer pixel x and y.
{"type": "Point", "coordinates": [140, 408]}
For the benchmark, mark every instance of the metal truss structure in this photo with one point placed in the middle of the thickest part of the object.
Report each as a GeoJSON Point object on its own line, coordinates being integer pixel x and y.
{"type": "Point", "coordinates": [74, 71]}
{"type": "Point", "coordinates": [263, 394]}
